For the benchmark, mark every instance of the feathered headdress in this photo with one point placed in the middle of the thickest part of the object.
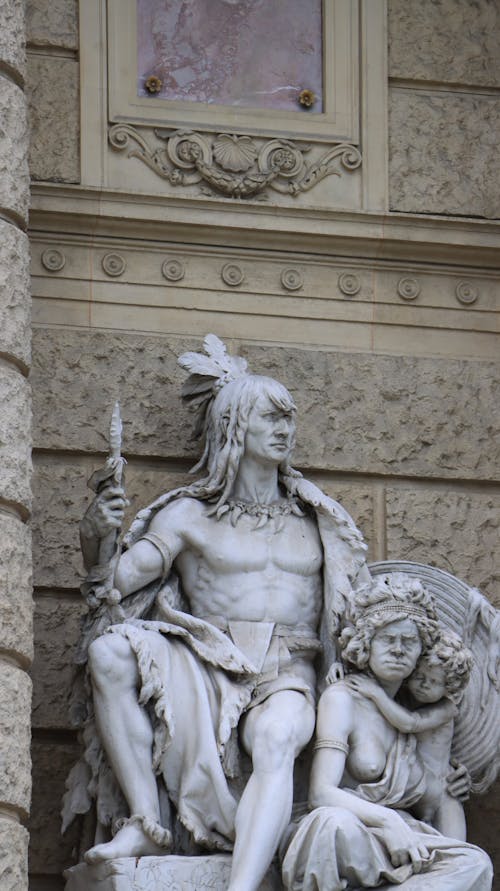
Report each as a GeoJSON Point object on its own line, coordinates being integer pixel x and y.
{"type": "Point", "coordinates": [207, 375]}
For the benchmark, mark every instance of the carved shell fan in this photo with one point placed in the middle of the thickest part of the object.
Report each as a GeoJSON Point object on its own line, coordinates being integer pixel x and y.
{"type": "Point", "coordinates": [464, 610]}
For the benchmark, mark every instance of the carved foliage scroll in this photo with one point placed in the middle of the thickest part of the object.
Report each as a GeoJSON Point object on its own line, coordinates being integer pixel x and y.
{"type": "Point", "coordinates": [234, 166]}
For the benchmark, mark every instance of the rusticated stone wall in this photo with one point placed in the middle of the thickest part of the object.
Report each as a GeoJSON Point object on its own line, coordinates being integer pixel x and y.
{"type": "Point", "coordinates": [53, 90]}
{"type": "Point", "coordinates": [16, 627]}
{"type": "Point", "coordinates": [444, 107]}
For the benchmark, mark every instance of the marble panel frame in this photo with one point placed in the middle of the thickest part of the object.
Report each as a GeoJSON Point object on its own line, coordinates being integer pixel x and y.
{"type": "Point", "coordinates": [361, 68]}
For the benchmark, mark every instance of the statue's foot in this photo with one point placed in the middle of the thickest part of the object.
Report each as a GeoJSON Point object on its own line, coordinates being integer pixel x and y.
{"type": "Point", "coordinates": [138, 837]}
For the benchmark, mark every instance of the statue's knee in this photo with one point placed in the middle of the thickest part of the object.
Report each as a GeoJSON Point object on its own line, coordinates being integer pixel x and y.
{"type": "Point", "coordinates": [110, 660]}
{"type": "Point", "coordinates": [274, 745]}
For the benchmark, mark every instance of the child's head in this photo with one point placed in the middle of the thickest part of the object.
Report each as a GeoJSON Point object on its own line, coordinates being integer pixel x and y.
{"type": "Point", "coordinates": [443, 671]}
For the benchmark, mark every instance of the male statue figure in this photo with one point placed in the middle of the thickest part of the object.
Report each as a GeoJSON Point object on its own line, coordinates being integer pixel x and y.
{"type": "Point", "coordinates": [223, 586]}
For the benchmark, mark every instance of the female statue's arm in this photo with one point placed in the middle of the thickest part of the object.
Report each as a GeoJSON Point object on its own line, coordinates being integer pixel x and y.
{"type": "Point", "coordinates": [335, 723]}
{"type": "Point", "coordinates": [430, 717]}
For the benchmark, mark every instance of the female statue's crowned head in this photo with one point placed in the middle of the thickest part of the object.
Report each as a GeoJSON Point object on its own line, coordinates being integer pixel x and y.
{"type": "Point", "coordinates": [390, 623]}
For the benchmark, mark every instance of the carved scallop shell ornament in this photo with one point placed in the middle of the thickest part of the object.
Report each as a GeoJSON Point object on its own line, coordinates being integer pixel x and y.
{"type": "Point", "coordinates": [234, 152]}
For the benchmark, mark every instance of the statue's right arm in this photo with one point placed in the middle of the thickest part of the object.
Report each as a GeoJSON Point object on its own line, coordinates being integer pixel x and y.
{"type": "Point", "coordinates": [148, 560]}
{"type": "Point", "coordinates": [142, 563]}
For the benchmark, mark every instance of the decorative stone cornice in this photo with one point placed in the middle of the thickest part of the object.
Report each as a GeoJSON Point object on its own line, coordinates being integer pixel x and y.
{"type": "Point", "coordinates": [407, 238]}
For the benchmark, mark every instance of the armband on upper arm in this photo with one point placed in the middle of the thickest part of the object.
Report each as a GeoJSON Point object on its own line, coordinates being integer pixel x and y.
{"type": "Point", "coordinates": [164, 550]}
{"type": "Point", "coordinates": [324, 742]}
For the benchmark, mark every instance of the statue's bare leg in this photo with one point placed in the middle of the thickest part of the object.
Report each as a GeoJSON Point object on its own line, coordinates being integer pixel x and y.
{"type": "Point", "coordinates": [127, 737]}
{"type": "Point", "coordinates": [273, 733]}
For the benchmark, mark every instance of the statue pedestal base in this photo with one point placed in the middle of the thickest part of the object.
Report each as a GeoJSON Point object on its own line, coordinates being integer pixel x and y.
{"type": "Point", "coordinates": [159, 874]}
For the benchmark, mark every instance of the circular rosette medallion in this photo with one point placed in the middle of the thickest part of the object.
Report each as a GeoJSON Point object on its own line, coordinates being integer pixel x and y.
{"type": "Point", "coordinates": [53, 260]}
{"type": "Point", "coordinates": [186, 148]}
{"type": "Point", "coordinates": [349, 284]}
{"type": "Point", "coordinates": [231, 275]}
{"type": "Point", "coordinates": [172, 270]}
{"type": "Point", "coordinates": [292, 279]}
{"type": "Point", "coordinates": [408, 288]}
{"type": "Point", "coordinates": [466, 293]}
{"type": "Point", "coordinates": [113, 264]}
{"type": "Point", "coordinates": [281, 156]}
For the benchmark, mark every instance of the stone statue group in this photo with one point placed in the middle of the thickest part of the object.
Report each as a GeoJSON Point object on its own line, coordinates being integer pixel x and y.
{"type": "Point", "coordinates": [238, 625]}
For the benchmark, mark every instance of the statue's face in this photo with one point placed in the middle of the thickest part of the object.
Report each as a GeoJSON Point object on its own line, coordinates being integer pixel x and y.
{"type": "Point", "coordinates": [394, 651]}
{"type": "Point", "coordinates": [427, 683]}
{"type": "Point", "coordinates": [270, 432]}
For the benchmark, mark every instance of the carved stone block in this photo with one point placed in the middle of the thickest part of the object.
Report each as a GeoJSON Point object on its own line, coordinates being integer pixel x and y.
{"type": "Point", "coordinates": [52, 90]}
{"type": "Point", "coordinates": [15, 328]}
{"type": "Point", "coordinates": [12, 35]}
{"type": "Point", "coordinates": [52, 23]}
{"type": "Point", "coordinates": [15, 586]}
{"type": "Point", "coordinates": [457, 531]}
{"type": "Point", "coordinates": [445, 40]}
{"type": "Point", "coordinates": [443, 153]}
{"type": "Point", "coordinates": [14, 443]}
{"type": "Point", "coordinates": [13, 855]}
{"type": "Point", "coordinates": [14, 175]}
{"type": "Point", "coordinates": [15, 780]}
{"type": "Point", "coordinates": [159, 874]}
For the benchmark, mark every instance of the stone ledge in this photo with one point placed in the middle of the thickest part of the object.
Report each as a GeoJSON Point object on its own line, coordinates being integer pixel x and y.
{"type": "Point", "coordinates": [427, 238]}
{"type": "Point", "coordinates": [158, 874]}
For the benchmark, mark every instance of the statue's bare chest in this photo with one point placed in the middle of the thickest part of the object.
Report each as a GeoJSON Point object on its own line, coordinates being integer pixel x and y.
{"type": "Point", "coordinates": [291, 544]}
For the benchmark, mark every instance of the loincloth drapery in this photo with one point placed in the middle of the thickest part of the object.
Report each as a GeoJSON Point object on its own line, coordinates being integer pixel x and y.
{"type": "Point", "coordinates": [282, 655]}
{"type": "Point", "coordinates": [196, 686]}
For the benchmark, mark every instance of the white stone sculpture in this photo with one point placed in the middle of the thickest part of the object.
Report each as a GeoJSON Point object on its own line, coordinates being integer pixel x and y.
{"type": "Point", "coordinates": [369, 780]}
{"type": "Point", "coordinates": [200, 649]}
{"type": "Point", "coordinates": [214, 613]}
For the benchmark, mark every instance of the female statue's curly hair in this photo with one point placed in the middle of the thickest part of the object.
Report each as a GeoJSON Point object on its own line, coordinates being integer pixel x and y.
{"type": "Point", "coordinates": [390, 598]}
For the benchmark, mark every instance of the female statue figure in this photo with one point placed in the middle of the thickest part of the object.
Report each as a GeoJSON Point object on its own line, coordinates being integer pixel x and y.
{"type": "Point", "coordinates": [367, 777]}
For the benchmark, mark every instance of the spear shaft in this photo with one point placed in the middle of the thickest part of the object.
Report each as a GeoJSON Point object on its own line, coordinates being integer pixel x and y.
{"type": "Point", "coordinates": [115, 462]}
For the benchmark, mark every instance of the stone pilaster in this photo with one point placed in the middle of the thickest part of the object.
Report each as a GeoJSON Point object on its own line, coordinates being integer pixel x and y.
{"type": "Point", "coordinates": [16, 636]}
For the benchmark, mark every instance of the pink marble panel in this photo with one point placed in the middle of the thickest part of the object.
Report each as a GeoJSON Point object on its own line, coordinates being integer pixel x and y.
{"type": "Point", "coordinates": [256, 53]}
